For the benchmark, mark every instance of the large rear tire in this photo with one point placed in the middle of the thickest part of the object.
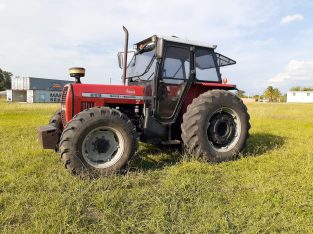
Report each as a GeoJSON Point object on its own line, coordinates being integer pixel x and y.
{"type": "Point", "coordinates": [98, 141]}
{"type": "Point", "coordinates": [56, 122]}
{"type": "Point", "coordinates": [215, 126]}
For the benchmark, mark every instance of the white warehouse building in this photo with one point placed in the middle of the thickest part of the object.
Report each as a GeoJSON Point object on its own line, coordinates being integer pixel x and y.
{"type": "Point", "coordinates": [32, 90]}
{"type": "Point", "coordinates": [300, 96]}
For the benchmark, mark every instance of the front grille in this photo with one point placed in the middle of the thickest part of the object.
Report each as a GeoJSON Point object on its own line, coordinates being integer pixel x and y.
{"type": "Point", "coordinates": [63, 104]}
{"type": "Point", "coordinates": [86, 105]}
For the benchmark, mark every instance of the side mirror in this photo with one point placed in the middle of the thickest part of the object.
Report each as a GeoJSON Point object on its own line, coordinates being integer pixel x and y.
{"type": "Point", "coordinates": [120, 57]}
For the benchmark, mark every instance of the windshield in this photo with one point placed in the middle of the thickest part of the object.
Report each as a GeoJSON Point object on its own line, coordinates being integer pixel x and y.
{"type": "Point", "coordinates": [142, 65]}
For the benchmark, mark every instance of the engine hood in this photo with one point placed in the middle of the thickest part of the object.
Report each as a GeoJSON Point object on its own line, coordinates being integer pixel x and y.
{"type": "Point", "coordinates": [108, 91]}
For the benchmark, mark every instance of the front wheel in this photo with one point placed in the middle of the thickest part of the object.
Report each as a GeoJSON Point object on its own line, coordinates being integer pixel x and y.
{"type": "Point", "coordinates": [100, 141]}
{"type": "Point", "coordinates": [216, 126]}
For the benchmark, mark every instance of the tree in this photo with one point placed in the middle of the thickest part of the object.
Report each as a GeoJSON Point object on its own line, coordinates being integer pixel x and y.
{"type": "Point", "coordinates": [295, 88]}
{"type": "Point", "coordinates": [256, 97]}
{"type": "Point", "coordinates": [269, 93]}
{"type": "Point", "coordinates": [283, 98]}
{"type": "Point", "coordinates": [272, 94]}
{"type": "Point", "coordinates": [307, 89]}
{"type": "Point", "coordinates": [277, 95]}
{"type": "Point", "coordinates": [5, 80]}
{"type": "Point", "coordinates": [298, 88]}
{"type": "Point", "coordinates": [241, 93]}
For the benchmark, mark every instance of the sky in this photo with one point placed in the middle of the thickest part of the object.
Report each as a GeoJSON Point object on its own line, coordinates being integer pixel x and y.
{"type": "Point", "coordinates": [271, 40]}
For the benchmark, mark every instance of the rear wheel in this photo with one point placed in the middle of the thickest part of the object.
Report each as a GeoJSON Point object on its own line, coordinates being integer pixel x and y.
{"type": "Point", "coordinates": [100, 141]}
{"type": "Point", "coordinates": [216, 126]}
{"type": "Point", "coordinates": [56, 122]}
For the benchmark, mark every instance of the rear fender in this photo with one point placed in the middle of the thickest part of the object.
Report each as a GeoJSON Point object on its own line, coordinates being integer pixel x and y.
{"type": "Point", "coordinates": [198, 88]}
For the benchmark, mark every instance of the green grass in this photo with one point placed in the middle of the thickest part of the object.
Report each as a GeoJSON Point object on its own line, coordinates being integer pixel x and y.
{"type": "Point", "coordinates": [268, 189]}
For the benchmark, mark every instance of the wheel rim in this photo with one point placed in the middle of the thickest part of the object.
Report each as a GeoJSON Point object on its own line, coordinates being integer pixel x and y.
{"type": "Point", "coordinates": [103, 147]}
{"type": "Point", "coordinates": [223, 130]}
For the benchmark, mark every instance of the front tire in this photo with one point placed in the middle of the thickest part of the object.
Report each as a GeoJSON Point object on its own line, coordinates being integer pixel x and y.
{"type": "Point", "coordinates": [216, 126]}
{"type": "Point", "coordinates": [98, 141]}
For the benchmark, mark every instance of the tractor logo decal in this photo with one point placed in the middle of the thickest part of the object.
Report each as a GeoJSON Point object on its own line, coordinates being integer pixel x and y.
{"type": "Point", "coordinates": [116, 96]}
{"type": "Point", "coordinates": [130, 91]}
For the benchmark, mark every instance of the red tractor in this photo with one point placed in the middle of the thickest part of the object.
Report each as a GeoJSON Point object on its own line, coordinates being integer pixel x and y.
{"type": "Point", "coordinates": [174, 95]}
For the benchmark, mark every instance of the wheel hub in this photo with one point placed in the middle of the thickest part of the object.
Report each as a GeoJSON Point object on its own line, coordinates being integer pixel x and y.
{"type": "Point", "coordinates": [222, 129]}
{"type": "Point", "coordinates": [101, 146]}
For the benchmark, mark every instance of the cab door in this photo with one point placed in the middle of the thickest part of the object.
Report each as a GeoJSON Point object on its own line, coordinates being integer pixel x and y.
{"type": "Point", "coordinates": [172, 79]}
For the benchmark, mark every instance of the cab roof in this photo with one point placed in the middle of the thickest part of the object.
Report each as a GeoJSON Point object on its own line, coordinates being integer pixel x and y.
{"type": "Point", "coordinates": [222, 60]}
{"type": "Point", "coordinates": [177, 40]}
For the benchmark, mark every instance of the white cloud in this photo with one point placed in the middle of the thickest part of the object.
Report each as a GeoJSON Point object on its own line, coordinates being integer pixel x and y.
{"type": "Point", "coordinates": [291, 18]}
{"type": "Point", "coordinates": [295, 71]}
{"type": "Point", "coordinates": [2, 7]}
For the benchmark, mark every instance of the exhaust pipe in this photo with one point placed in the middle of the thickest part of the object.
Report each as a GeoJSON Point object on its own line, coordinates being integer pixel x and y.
{"type": "Point", "coordinates": [125, 54]}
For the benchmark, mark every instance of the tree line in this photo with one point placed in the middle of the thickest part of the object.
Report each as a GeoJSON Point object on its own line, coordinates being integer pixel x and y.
{"type": "Point", "coordinates": [270, 93]}
{"type": "Point", "coordinates": [273, 94]}
{"type": "Point", "coordinates": [298, 88]}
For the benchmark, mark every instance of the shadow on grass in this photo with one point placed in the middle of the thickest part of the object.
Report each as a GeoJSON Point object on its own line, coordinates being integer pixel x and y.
{"type": "Point", "coordinates": [151, 157]}
{"type": "Point", "coordinates": [260, 143]}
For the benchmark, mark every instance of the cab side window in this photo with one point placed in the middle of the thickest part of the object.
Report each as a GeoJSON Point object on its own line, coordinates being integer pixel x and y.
{"type": "Point", "coordinates": [176, 63]}
{"type": "Point", "coordinates": [205, 66]}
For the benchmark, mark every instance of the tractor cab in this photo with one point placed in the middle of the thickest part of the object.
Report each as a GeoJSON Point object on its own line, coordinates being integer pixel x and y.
{"type": "Point", "coordinates": [169, 67]}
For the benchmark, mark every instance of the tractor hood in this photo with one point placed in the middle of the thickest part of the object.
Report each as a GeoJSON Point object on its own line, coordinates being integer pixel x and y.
{"type": "Point", "coordinates": [90, 91]}
{"type": "Point", "coordinates": [78, 97]}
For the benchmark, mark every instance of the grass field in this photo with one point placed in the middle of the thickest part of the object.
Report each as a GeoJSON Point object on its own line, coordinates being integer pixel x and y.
{"type": "Point", "coordinates": [268, 189]}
